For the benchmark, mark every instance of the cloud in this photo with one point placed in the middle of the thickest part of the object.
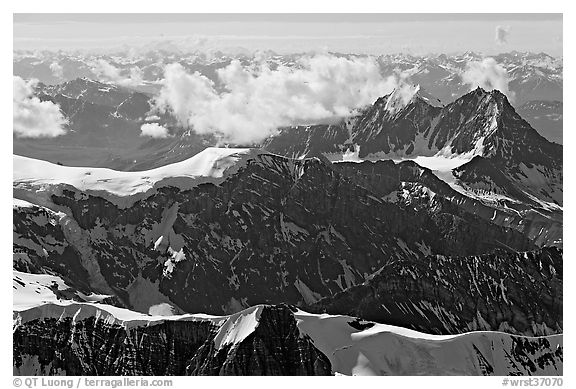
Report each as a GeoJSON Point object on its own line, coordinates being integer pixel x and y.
{"type": "Point", "coordinates": [502, 35]}
{"type": "Point", "coordinates": [57, 70]}
{"type": "Point", "coordinates": [405, 75]}
{"type": "Point", "coordinates": [34, 118]}
{"type": "Point", "coordinates": [110, 73]}
{"type": "Point", "coordinates": [258, 100]}
{"type": "Point", "coordinates": [404, 93]}
{"type": "Point", "coordinates": [154, 130]}
{"type": "Point", "coordinates": [489, 75]}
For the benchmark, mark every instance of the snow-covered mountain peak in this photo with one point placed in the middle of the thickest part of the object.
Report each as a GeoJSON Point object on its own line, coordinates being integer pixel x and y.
{"type": "Point", "coordinates": [480, 93]}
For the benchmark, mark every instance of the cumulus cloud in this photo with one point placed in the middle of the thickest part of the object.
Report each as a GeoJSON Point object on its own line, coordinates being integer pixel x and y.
{"type": "Point", "coordinates": [34, 118]}
{"type": "Point", "coordinates": [57, 70]}
{"type": "Point", "coordinates": [257, 101]}
{"type": "Point", "coordinates": [110, 73]}
{"type": "Point", "coordinates": [487, 74]}
{"type": "Point", "coordinates": [154, 130]}
{"type": "Point", "coordinates": [502, 34]}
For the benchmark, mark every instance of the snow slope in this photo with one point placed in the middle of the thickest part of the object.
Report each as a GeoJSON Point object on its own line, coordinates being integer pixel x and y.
{"type": "Point", "coordinates": [210, 165]}
{"type": "Point", "coordinates": [389, 350]}
{"type": "Point", "coordinates": [31, 290]}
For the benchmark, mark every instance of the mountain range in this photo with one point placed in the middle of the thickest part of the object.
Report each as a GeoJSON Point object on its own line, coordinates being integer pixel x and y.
{"type": "Point", "coordinates": [532, 76]}
{"type": "Point", "coordinates": [96, 339]}
{"type": "Point", "coordinates": [420, 235]}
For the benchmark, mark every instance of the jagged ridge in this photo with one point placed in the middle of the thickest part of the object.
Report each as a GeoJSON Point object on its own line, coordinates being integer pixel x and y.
{"type": "Point", "coordinates": [88, 340]}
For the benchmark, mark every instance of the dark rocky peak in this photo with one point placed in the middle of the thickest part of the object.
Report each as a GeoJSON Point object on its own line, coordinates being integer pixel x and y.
{"type": "Point", "coordinates": [403, 102]}
{"type": "Point", "coordinates": [393, 122]}
{"type": "Point", "coordinates": [471, 124]}
{"type": "Point", "coordinates": [478, 99]}
{"type": "Point", "coordinates": [485, 123]}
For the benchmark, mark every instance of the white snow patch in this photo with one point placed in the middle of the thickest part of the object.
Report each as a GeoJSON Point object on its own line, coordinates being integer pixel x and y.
{"type": "Point", "coordinates": [17, 203]}
{"type": "Point", "coordinates": [237, 327]}
{"type": "Point", "coordinates": [175, 257]}
{"type": "Point", "coordinates": [440, 163]}
{"type": "Point", "coordinates": [163, 309]}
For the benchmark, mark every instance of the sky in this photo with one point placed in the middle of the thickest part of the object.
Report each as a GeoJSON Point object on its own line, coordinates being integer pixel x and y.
{"type": "Point", "coordinates": [288, 33]}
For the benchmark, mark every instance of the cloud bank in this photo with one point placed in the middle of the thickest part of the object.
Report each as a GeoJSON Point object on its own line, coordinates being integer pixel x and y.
{"type": "Point", "coordinates": [502, 35]}
{"type": "Point", "coordinates": [107, 72]}
{"type": "Point", "coordinates": [489, 75]}
{"type": "Point", "coordinates": [154, 130]}
{"type": "Point", "coordinates": [257, 101]}
{"type": "Point", "coordinates": [34, 118]}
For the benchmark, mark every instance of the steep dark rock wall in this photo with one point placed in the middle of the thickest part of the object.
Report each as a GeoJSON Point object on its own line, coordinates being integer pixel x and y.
{"type": "Point", "coordinates": [96, 346]}
{"type": "Point", "coordinates": [305, 141]}
{"type": "Point", "coordinates": [513, 292]}
{"type": "Point", "coordinates": [276, 347]}
{"type": "Point", "coordinates": [413, 186]}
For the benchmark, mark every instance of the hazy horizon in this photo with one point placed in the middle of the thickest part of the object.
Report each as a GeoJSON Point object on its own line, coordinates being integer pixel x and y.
{"type": "Point", "coordinates": [415, 34]}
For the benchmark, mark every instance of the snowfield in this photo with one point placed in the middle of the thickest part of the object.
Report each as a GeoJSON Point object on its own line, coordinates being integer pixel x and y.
{"type": "Point", "coordinates": [389, 350]}
{"type": "Point", "coordinates": [438, 161]}
{"type": "Point", "coordinates": [210, 165]}
{"type": "Point", "coordinates": [31, 290]}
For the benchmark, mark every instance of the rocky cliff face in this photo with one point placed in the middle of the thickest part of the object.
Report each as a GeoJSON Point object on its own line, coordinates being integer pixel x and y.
{"type": "Point", "coordinates": [92, 339]}
{"type": "Point", "coordinates": [305, 141]}
{"type": "Point", "coordinates": [416, 188]}
{"type": "Point", "coordinates": [277, 230]}
{"type": "Point", "coordinates": [512, 292]}
{"type": "Point", "coordinates": [99, 344]}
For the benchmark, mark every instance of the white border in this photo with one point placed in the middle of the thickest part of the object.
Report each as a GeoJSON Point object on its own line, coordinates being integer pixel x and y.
{"type": "Point", "coordinates": [340, 6]}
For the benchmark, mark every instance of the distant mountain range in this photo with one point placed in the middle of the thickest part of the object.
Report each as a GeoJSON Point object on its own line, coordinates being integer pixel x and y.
{"type": "Point", "coordinates": [532, 76]}
{"type": "Point", "coordinates": [545, 116]}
